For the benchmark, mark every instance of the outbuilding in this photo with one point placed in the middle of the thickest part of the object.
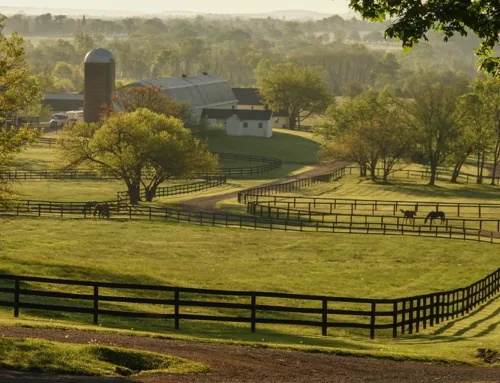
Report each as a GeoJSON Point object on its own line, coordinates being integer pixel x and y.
{"type": "Point", "coordinates": [241, 122]}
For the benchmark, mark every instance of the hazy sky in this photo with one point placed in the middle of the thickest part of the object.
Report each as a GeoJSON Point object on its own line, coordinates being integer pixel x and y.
{"type": "Point", "coordinates": [215, 6]}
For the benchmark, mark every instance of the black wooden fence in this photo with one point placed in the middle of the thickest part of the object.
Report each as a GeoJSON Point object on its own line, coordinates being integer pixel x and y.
{"type": "Point", "coordinates": [441, 174]}
{"type": "Point", "coordinates": [352, 205]}
{"type": "Point", "coordinates": [291, 185]}
{"type": "Point", "coordinates": [209, 183]}
{"type": "Point", "coordinates": [72, 209]}
{"type": "Point", "coordinates": [405, 315]}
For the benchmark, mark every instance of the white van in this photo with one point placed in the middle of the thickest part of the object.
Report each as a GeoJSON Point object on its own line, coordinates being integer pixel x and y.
{"type": "Point", "coordinates": [58, 120]}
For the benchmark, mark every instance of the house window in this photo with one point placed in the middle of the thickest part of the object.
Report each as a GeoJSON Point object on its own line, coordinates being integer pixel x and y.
{"type": "Point", "coordinates": [261, 125]}
{"type": "Point", "coordinates": [245, 124]}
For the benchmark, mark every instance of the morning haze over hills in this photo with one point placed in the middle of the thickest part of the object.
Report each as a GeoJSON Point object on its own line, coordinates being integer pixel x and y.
{"type": "Point", "coordinates": [289, 14]}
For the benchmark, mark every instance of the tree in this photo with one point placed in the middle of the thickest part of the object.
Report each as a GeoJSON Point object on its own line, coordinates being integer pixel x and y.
{"type": "Point", "coordinates": [411, 21]}
{"type": "Point", "coordinates": [290, 87]}
{"type": "Point", "coordinates": [130, 98]}
{"type": "Point", "coordinates": [369, 132]}
{"type": "Point", "coordinates": [430, 109]}
{"type": "Point", "coordinates": [476, 133]}
{"type": "Point", "coordinates": [488, 92]}
{"type": "Point", "coordinates": [140, 148]}
{"type": "Point", "coordinates": [17, 89]}
{"type": "Point", "coordinates": [12, 141]}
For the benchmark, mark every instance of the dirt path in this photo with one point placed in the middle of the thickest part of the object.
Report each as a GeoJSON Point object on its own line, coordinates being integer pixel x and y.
{"type": "Point", "coordinates": [247, 365]}
{"type": "Point", "coordinates": [208, 204]}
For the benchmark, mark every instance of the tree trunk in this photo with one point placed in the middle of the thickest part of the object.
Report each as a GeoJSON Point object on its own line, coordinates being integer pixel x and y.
{"type": "Point", "coordinates": [480, 166]}
{"type": "Point", "coordinates": [362, 170]}
{"type": "Point", "coordinates": [433, 166]}
{"type": "Point", "coordinates": [456, 172]}
{"type": "Point", "coordinates": [134, 194]}
{"type": "Point", "coordinates": [150, 193]}
{"type": "Point", "coordinates": [495, 163]}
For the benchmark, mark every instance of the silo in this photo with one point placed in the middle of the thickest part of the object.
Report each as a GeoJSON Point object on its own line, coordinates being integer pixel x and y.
{"type": "Point", "coordinates": [99, 83]}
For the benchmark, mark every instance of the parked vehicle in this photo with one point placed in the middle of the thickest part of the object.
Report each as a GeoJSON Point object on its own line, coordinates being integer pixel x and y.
{"type": "Point", "coordinates": [75, 116]}
{"type": "Point", "coordinates": [58, 120]}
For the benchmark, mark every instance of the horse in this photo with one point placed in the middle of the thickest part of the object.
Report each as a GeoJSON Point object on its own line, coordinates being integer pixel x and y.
{"type": "Point", "coordinates": [89, 207]}
{"type": "Point", "coordinates": [435, 215]}
{"type": "Point", "coordinates": [102, 209]}
{"type": "Point", "coordinates": [409, 215]}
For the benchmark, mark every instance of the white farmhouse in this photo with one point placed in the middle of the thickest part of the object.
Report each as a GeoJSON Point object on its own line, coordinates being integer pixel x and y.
{"type": "Point", "coordinates": [241, 122]}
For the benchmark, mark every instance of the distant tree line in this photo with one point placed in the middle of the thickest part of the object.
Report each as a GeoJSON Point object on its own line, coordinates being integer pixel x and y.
{"type": "Point", "coordinates": [351, 55]}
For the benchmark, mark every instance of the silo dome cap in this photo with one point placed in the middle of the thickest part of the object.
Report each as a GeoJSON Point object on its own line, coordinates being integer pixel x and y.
{"type": "Point", "coordinates": [99, 56]}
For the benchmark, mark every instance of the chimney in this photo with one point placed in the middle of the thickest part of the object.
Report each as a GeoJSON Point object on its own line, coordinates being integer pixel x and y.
{"type": "Point", "coordinates": [184, 75]}
{"type": "Point", "coordinates": [205, 73]}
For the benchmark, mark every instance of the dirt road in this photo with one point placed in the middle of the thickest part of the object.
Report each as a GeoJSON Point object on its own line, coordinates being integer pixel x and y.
{"type": "Point", "coordinates": [251, 365]}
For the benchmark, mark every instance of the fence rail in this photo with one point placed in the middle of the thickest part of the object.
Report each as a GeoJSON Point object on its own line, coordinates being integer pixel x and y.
{"type": "Point", "coordinates": [291, 185]}
{"type": "Point", "coordinates": [209, 183]}
{"type": "Point", "coordinates": [482, 227]}
{"type": "Point", "coordinates": [403, 315]}
{"type": "Point", "coordinates": [119, 210]}
{"type": "Point", "coordinates": [441, 174]}
{"type": "Point", "coordinates": [330, 204]}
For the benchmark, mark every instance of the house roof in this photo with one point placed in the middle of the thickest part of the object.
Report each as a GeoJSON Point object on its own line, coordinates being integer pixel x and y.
{"type": "Point", "coordinates": [247, 96]}
{"type": "Point", "coordinates": [201, 91]}
{"type": "Point", "coordinates": [241, 114]}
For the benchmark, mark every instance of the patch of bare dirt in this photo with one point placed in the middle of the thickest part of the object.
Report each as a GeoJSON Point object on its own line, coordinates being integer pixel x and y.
{"type": "Point", "coordinates": [241, 364]}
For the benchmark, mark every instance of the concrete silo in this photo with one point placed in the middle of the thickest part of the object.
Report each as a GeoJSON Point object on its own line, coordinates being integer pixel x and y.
{"type": "Point", "coordinates": [99, 83]}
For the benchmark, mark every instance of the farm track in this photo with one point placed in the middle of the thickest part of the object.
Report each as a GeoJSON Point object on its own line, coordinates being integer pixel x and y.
{"type": "Point", "coordinates": [208, 204]}
{"type": "Point", "coordinates": [231, 363]}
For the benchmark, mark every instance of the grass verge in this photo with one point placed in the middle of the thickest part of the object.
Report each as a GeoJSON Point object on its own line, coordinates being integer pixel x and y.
{"type": "Point", "coordinates": [53, 357]}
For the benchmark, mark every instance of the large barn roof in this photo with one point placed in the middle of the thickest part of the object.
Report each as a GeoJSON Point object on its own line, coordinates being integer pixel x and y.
{"type": "Point", "coordinates": [201, 91]}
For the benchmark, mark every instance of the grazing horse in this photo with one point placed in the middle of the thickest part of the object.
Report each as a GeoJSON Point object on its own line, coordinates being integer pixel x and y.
{"type": "Point", "coordinates": [89, 207]}
{"type": "Point", "coordinates": [409, 215]}
{"type": "Point", "coordinates": [435, 215]}
{"type": "Point", "coordinates": [102, 209]}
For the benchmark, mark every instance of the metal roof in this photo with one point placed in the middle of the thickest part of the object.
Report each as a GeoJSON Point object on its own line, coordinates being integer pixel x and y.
{"type": "Point", "coordinates": [248, 96]}
{"type": "Point", "coordinates": [99, 56]}
{"type": "Point", "coordinates": [64, 96]}
{"type": "Point", "coordinates": [201, 91]}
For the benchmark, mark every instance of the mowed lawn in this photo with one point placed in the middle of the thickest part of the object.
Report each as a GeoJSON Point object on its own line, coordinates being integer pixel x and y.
{"type": "Point", "coordinates": [149, 252]}
{"type": "Point", "coordinates": [157, 252]}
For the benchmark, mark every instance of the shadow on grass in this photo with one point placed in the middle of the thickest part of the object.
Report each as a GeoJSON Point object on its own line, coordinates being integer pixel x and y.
{"type": "Point", "coordinates": [25, 377]}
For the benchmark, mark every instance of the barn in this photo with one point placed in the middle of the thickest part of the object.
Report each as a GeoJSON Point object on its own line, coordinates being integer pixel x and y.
{"type": "Point", "coordinates": [205, 91]}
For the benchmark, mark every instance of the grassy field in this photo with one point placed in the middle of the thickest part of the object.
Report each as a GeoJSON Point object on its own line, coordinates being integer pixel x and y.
{"type": "Point", "coordinates": [183, 255]}
{"type": "Point", "coordinates": [60, 358]}
{"type": "Point", "coordinates": [285, 144]}
{"type": "Point", "coordinates": [402, 189]}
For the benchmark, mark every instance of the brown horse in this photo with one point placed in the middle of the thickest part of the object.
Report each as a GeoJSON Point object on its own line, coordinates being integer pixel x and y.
{"type": "Point", "coordinates": [435, 215]}
{"type": "Point", "coordinates": [102, 209]}
{"type": "Point", "coordinates": [409, 215]}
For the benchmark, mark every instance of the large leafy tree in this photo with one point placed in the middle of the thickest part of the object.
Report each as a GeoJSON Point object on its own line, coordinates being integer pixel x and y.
{"type": "Point", "coordinates": [141, 148]}
{"type": "Point", "coordinates": [17, 91]}
{"type": "Point", "coordinates": [430, 110]}
{"type": "Point", "coordinates": [368, 130]}
{"type": "Point", "coordinates": [298, 90]}
{"type": "Point", "coordinates": [411, 20]}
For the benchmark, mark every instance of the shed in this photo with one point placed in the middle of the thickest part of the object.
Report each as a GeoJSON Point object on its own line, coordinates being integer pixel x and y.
{"type": "Point", "coordinates": [63, 102]}
{"type": "Point", "coordinates": [241, 122]}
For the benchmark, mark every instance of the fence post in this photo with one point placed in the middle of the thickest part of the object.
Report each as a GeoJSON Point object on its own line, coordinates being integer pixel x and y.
{"type": "Point", "coordinates": [16, 297]}
{"type": "Point", "coordinates": [324, 318]}
{"type": "Point", "coordinates": [96, 303]}
{"type": "Point", "coordinates": [372, 321]}
{"type": "Point", "coordinates": [254, 311]}
{"type": "Point", "coordinates": [395, 319]}
{"type": "Point", "coordinates": [176, 308]}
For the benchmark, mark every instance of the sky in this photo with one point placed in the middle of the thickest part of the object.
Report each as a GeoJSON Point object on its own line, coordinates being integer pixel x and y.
{"type": "Point", "coordinates": [205, 6]}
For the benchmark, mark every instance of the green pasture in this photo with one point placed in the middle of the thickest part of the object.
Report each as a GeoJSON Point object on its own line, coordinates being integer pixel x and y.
{"type": "Point", "coordinates": [61, 358]}
{"type": "Point", "coordinates": [286, 145]}
{"type": "Point", "coordinates": [155, 252]}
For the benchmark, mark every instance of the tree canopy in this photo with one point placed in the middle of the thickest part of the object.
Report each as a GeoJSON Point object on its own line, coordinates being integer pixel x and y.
{"type": "Point", "coordinates": [412, 20]}
{"type": "Point", "coordinates": [298, 90]}
{"type": "Point", "coordinates": [141, 148]}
